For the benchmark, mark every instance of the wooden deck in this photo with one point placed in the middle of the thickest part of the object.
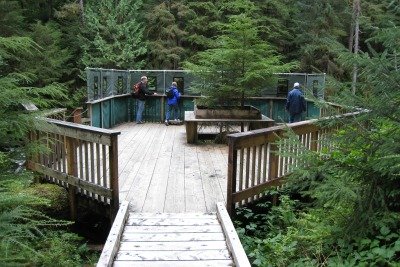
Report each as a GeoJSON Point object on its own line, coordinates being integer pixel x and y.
{"type": "Point", "coordinates": [160, 172]}
{"type": "Point", "coordinates": [172, 240]}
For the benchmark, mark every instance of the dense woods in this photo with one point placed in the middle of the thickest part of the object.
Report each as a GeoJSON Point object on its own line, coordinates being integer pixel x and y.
{"type": "Point", "coordinates": [341, 210]}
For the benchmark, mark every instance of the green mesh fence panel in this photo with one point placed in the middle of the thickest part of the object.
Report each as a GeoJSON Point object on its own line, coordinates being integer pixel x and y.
{"type": "Point", "coordinates": [155, 79]}
{"type": "Point", "coordinates": [102, 83]}
{"type": "Point", "coordinates": [182, 78]}
{"type": "Point", "coordinates": [315, 85]}
{"type": "Point", "coordinates": [93, 77]}
{"type": "Point", "coordinates": [120, 82]}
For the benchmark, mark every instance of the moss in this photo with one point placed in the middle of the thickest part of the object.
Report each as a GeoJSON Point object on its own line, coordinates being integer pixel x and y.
{"type": "Point", "coordinates": [57, 197]}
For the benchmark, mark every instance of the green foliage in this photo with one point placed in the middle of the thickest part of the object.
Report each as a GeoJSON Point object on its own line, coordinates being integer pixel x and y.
{"type": "Point", "coordinates": [11, 18]}
{"type": "Point", "coordinates": [56, 196]}
{"type": "Point", "coordinates": [17, 92]}
{"type": "Point", "coordinates": [113, 35]}
{"type": "Point", "coordinates": [239, 64]}
{"type": "Point", "coordinates": [63, 248]}
{"type": "Point", "coordinates": [165, 35]}
{"type": "Point", "coordinates": [317, 26]}
{"type": "Point", "coordinates": [202, 24]}
{"type": "Point", "coordinates": [50, 65]}
{"type": "Point", "coordinates": [24, 229]}
{"type": "Point", "coordinates": [348, 214]}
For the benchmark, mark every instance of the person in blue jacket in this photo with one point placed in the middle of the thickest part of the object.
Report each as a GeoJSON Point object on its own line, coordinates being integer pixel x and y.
{"type": "Point", "coordinates": [295, 104]}
{"type": "Point", "coordinates": [172, 103]}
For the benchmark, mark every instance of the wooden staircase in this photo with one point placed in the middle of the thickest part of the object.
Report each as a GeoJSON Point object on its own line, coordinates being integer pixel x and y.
{"type": "Point", "coordinates": [172, 239]}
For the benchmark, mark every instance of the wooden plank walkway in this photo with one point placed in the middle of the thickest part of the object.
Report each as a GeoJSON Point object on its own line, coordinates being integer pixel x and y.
{"type": "Point", "coordinates": [160, 172]}
{"type": "Point", "coordinates": [172, 240]}
{"type": "Point", "coordinates": [173, 202]}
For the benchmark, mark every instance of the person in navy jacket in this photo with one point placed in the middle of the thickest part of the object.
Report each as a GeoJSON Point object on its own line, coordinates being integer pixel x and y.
{"type": "Point", "coordinates": [173, 103]}
{"type": "Point", "coordinates": [295, 104]}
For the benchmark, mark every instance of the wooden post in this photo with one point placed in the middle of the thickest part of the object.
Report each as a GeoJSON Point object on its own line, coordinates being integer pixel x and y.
{"type": "Point", "coordinates": [232, 169]}
{"type": "Point", "coordinates": [33, 137]}
{"type": "Point", "coordinates": [273, 167]}
{"type": "Point", "coordinates": [72, 170]}
{"type": "Point", "coordinates": [77, 115]}
{"type": "Point", "coordinates": [162, 99]}
{"type": "Point", "coordinates": [314, 141]}
{"type": "Point", "coordinates": [113, 161]}
{"type": "Point", "coordinates": [191, 132]}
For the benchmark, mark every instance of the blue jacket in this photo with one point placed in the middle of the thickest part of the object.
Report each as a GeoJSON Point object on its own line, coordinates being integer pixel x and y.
{"type": "Point", "coordinates": [295, 103]}
{"type": "Point", "coordinates": [175, 99]}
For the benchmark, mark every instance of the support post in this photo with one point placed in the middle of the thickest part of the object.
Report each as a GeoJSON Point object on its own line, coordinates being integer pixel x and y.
{"type": "Point", "coordinates": [72, 170]}
{"type": "Point", "coordinates": [113, 161]}
{"type": "Point", "coordinates": [232, 170]}
{"type": "Point", "coordinates": [273, 167]}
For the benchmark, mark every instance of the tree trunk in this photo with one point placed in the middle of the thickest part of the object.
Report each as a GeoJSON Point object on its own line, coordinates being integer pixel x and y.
{"type": "Point", "coordinates": [356, 16]}
{"type": "Point", "coordinates": [82, 11]}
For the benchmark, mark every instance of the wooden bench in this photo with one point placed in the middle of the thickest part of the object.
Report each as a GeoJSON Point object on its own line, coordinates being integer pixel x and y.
{"type": "Point", "coordinates": [192, 123]}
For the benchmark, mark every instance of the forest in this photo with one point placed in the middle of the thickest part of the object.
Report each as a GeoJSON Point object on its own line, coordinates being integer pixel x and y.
{"type": "Point", "coordinates": [340, 210]}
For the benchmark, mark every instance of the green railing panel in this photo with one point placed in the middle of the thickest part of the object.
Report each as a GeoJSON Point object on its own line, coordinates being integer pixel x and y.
{"type": "Point", "coordinates": [313, 111]}
{"type": "Point", "coordinates": [279, 113]}
{"type": "Point", "coordinates": [120, 110]}
{"type": "Point", "coordinates": [96, 115]}
{"type": "Point", "coordinates": [262, 105]}
{"type": "Point", "coordinates": [152, 111]}
{"type": "Point", "coordinates": [106, 114]}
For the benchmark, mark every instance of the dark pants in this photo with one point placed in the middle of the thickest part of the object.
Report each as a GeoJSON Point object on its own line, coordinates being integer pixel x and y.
{"type": "Point", "coordinates": [294, 117]}
{"type": "Point", "coordinates": [175, 108]}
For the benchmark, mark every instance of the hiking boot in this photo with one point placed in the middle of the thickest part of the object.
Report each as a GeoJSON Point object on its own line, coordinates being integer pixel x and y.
{"type": "Point", "coordinates": [166, 122]}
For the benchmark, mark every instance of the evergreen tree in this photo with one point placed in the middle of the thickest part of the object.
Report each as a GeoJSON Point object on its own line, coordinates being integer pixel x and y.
{"type": "Point", "coordinates": [11, 19]}
{"type": "Point", "coordinates": [239, 64]}
{"type": "Point", "coordinates": [164, 35]}
{"type": "Point", "coordinates": [113, 35]}
{"type": "Point", "coordinates": [69, 17]}
{"type": "Point", "coordinates": [50, 65]}
{"type": "Point", "coordinates": [276, 17]}
{"type": "Point", "coordinates": [318, 25]}
{"type": "Point", "coordinates": [201, 25]}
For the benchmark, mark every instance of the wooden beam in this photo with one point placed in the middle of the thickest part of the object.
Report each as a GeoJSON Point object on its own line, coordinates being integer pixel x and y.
{"type": "Point", "coordinates": [80, 131]}
{"type": "Point", "coordinates": [239, 255]}
{"type": "Point", "coordinates": [113, 240]}
{"type": "Point", "coordinates": [70, 179]}
{"type": "Point", "coordinates": [255, 190]}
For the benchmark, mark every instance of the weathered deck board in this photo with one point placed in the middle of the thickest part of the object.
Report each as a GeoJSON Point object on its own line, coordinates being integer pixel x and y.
{"type": "Point", "coordinates": [159, 172]}
{"type": "Point", "coordinates": [174, 239]}
{"type": "Point", "coordinates": [209, 263]}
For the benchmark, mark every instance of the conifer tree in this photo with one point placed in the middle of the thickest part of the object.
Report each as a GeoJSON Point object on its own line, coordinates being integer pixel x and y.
{"type": "Point", "coordinates": [239, 64]}
{"type": "Point", "coordinates": [113, 35]}
{"type": "Point", "coordinates": [165, 35]}
{"type": "Point", "coordinates": [201, 25]}
{"type": "Point", "coordinates": [318, 25]}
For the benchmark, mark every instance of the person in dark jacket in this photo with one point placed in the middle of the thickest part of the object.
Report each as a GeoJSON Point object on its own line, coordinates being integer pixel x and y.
{"type": "Point", "coordinates": [295, 104]}
{"type": "Point", "coordinates": [172, 103]}
{"type": "Point", "coordinates": [141, 99]}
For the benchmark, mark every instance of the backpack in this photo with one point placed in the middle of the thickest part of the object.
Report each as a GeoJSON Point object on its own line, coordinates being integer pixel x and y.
{"type": "Point", "coordinates": [136, 89]}
{"type": "Point", "coordinates": [169, 93]}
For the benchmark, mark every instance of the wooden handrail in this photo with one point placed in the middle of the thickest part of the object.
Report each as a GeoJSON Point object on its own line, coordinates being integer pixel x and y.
{"type": "Point", "coordinates": [81, 158]}
{"type": "Point", "coordinates": [254, 163]}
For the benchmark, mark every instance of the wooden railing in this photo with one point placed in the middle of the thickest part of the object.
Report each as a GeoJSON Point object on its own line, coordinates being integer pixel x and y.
{"type": "Point", "coordinates": [81, 158]}
{"type": "Point", "coordinates": [256, 162]}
